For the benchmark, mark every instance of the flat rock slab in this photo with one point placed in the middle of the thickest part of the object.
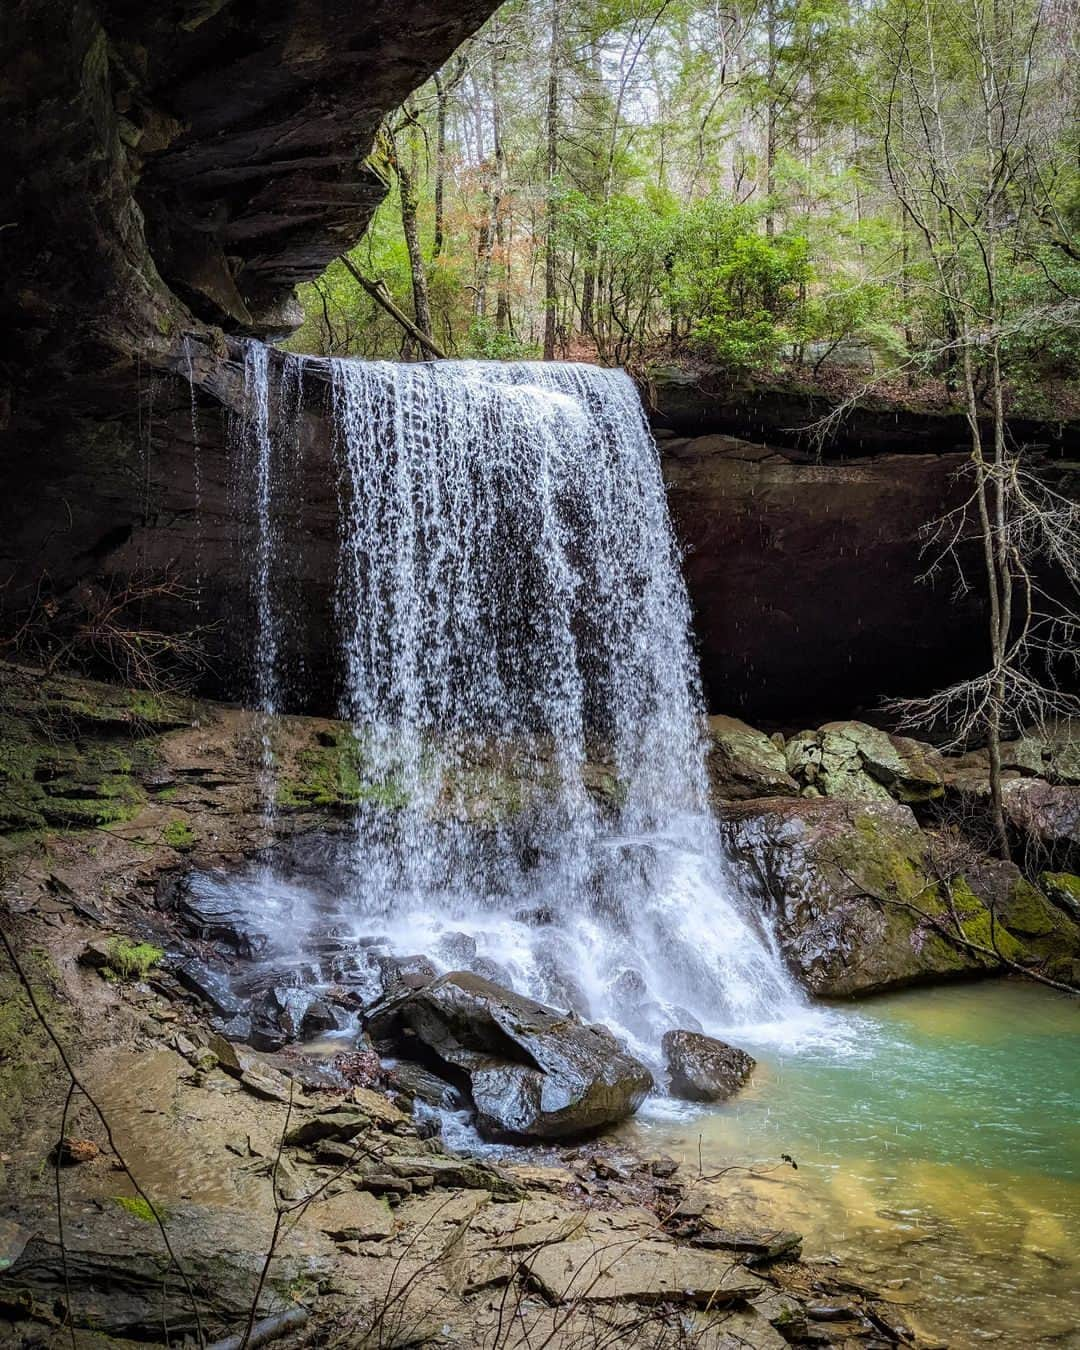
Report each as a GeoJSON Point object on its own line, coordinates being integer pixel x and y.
{"type": "Point", "coordinates": [752, 1248]}
{"type": "Point", "coordinates": [352, 1215]}
{"type": "Point", "coordinates": [642, 1271]}
{"type": "Point", "coordinates": [119, 1273]}
{"type": "Point", "coordinates": [454, 1172]}
{"type": "Point", "coordinates": [541, 1234]}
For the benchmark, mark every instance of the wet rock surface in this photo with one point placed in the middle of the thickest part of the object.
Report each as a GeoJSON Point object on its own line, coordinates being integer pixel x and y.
{"type": "Point", "coordinates": [388, 1227]}
{"type": "Point", "coordinates": [701, 1069]}
{"type": "Point", "coordinates": [207, 1115]}
{"type": "Point", "coordinates": [863, 900]}
{"type": "Point", "coordinates": [745, 763]}
{"type": "Point", "coordinates": [532, 1071]}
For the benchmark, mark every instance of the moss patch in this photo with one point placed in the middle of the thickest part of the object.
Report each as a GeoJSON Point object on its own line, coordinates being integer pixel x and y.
{"type": "Point", "coordinates": [136, 1206]}
{"type": "Point", "coordinates": [73, 752]}
{"type": "Point", "coordinates": [1064, 888]}
{"type": "Point", "coordinates": [980, 926]}
{"type": "Point", "coordinates": [132, 960]}
{"type": "Point", "coordinates": [330, 777]}
{"type": "Point", "coordinates": [70, 754]}
{"type": "Point", "coordinates": [178, 834]}
{"type": "Point", "coordinates": [887, 863]}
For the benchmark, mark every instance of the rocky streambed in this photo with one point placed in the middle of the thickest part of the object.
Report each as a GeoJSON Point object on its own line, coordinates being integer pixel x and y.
{"type": "Point", "coordinates": [250, 1089]}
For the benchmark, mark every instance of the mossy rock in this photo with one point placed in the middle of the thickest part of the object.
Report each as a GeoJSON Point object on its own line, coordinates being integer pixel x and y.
{"type": "Point", "coordinates": [1043, 931]}
{"type": "Point", "coordinates": [744, 762]}
{"type": "Point", "coordinates": [178, 834]}
{"type": "Point", "coordinates": [72, 753]}
{"type": "Point", "coordinates": [853, 895]}
{"type": "Point", "coordinates": [121, 958]}
{"type": "Point", "coordinates": [329, 775]}
{"type": "Point", "coordinates": [982, 926]}
{"type": "Point", "coordinates": [1063, 888]}
{"type": "Point", "coordinates": [28, 1063]}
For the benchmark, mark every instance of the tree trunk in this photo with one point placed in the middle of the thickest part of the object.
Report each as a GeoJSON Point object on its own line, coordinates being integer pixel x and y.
{"type": "Point", "coordinates": [406, 184]}
{"type": "Point", "coordinates": [770, 118]}
{"type": "Point", "coordinates": [999, 618]}
{"type": "Point", "coordinates": [552, 120]}
{"type": "Point", "coordinates": [442, 100]}
{"type": "Point", "coordinates": [444, 87]}
{"type": "Point", "coordinates": [378, 292]}
{"type": "Point", "coordinates": [498, 214]}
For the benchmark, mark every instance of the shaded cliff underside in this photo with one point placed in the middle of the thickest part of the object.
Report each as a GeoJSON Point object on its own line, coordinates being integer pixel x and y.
{"type": "Point", "coordinates": [173, 167]}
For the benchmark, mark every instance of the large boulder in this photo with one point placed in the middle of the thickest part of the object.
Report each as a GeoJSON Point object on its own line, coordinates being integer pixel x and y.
{"type": "Point", "coordinates": [533, 1072]}
{"type": "Point", "coordinates": [744, 762]}
{"type": "Point", "coordinates": [855, 891]}
{"type": "Point", "coordinates": [1051, 751]}
{"type": "Point", "coordinates": [701, 1069]}
{"type": "Point", "coordinates": [1046, 815]}
{"type": "Point", "coordinates": [861, 762]}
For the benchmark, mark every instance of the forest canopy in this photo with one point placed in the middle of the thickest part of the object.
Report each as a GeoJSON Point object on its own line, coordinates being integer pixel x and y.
{"type": "Point", "coordinates": [806, 185]}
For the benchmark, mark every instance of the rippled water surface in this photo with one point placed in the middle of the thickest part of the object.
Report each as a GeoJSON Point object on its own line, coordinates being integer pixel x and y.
{"type": "Point", "coordinates": [938, 1150]}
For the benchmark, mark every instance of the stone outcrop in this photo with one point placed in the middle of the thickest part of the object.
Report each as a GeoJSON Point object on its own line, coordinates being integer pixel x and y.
{"type": "Point", "coordinates": [174, 167]}
{"type": "Point", "coordinates": [857, 761]}
{"type": "Point", "coordinates": [865, 896]}
{"type": "Point", "coordinates": [1047, 815]}
{"type": "Point", "coordinates": [532, 1072]}
{"type": "Point", "coordinates": [701, 401]}
{"type": "Point", "coordinates": [744, 762]}
{"type": "Point", "coordinates": [701, 1069]}
{"type": "Point", "coordinates": [803, 577]}
{"type": "Point", "coordinates": [863, 899]}
{"type": "Point", "coordinates": [171, 173]}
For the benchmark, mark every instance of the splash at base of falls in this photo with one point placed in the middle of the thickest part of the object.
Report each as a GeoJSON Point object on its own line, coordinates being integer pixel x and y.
{"type": "Point", "coordinates": [510, 594]}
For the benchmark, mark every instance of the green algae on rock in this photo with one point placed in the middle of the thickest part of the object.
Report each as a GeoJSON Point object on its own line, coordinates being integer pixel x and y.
{"type": "Point", "coordinates": [860, 904]}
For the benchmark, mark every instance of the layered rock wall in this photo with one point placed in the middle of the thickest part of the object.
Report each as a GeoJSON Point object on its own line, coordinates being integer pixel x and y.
{"type": "Point", "coordinates": [804, 576]}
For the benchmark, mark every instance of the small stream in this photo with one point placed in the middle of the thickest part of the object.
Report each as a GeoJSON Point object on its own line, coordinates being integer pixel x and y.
{"type": "Point", "coordinates": [938, 1151]}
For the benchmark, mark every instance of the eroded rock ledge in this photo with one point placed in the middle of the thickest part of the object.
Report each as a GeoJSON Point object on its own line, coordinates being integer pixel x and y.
{"type": "Point", "coordinates": [169, 167]}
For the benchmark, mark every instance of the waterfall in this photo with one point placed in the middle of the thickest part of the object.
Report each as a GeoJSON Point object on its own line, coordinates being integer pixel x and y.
{"type": "Point", "coordinates": [254, 483]}
{"type": "Point", "coordinates": [196, 473]}
{"type": "Point", "coordinates": [510, 594]}
{"type": "Point", "coordinates": [518, 667]}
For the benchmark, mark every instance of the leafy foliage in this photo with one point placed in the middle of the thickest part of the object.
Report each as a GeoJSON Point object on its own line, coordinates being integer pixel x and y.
{"type": "Point", "coordinates": [720, 186]}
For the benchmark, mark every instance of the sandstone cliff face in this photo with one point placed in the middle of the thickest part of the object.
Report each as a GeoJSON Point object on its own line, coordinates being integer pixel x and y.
{"type": "Point", "coordinates": [804, 576]}
{"type": "Point", "coordinates": [173, 166]}
{"type": "Point", "coordinates": [168, 174]}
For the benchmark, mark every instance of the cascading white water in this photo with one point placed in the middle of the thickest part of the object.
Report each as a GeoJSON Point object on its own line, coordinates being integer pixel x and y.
{"type": "Point", "coordinates": [255, 445]}
{"type": "Point", "coordinates": [510, 592]}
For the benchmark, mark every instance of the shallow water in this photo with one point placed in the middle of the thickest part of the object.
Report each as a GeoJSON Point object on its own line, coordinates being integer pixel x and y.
{"type": "Point", "coordinates": [937, 1137]}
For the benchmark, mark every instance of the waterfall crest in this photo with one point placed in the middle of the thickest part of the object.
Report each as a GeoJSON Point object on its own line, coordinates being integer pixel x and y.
{"type": "Point", "coordinates": [518, 665]}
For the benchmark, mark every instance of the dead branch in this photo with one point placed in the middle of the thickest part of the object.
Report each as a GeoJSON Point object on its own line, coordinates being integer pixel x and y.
{"type": "Point", "coordinates": [378, 292]}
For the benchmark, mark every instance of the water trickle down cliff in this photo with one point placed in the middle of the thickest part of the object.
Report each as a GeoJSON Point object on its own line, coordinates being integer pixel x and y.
{"type": "Point", "coordinates": [509, 591]}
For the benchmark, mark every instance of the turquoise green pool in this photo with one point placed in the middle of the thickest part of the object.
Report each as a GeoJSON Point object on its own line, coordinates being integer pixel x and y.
{"type": "Point", "coordinates": [938, 1150]}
